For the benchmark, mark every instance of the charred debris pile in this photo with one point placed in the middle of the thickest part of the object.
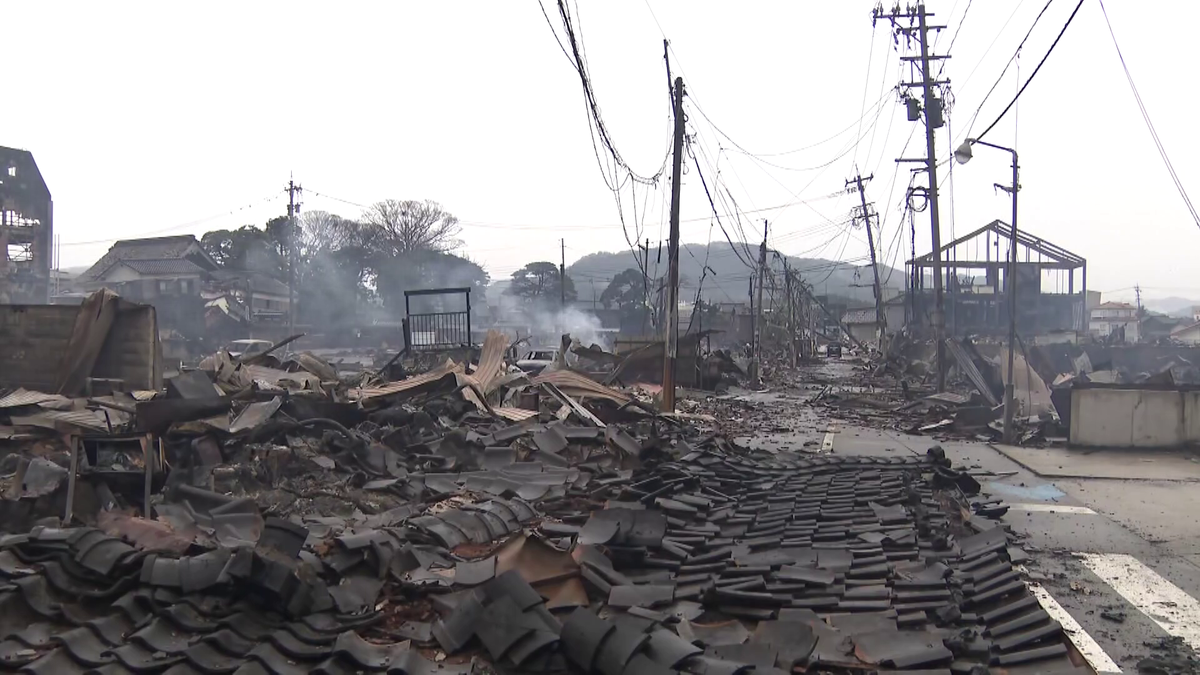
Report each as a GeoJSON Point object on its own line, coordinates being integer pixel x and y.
{"type": "Point", "coordinates": [896, 389]}
{"type": "Point", "coordinates": [265, 516]}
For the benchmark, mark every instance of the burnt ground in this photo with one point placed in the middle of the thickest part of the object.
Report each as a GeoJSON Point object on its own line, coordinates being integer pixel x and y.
{"type": "Point", "coordinates": [1062, 508]}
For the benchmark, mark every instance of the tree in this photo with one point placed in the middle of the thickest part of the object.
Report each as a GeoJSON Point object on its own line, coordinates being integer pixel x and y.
{"type": "Point", "coordinates": [325, 231]}
{"type": "Point", "coordinates": [426, 269]}
{"type": "Point", "coordinates": [246, 249]}
{"type": "Point", "coordinates": [627, 289]}
{"type": "Point", "coordinates": [540, 282]}
{"type": "Point", "coordinates": [342, 264]}
{"type": "Point", "coordinates": [406, 226]}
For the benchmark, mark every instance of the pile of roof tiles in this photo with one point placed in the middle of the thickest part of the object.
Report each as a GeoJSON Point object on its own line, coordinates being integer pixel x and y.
{"type": "Point", "coordinates": [707, 559]}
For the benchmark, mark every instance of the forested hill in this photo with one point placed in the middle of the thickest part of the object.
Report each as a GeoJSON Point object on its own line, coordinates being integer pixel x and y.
{"type": "Point", "coordinates": [728, 277]}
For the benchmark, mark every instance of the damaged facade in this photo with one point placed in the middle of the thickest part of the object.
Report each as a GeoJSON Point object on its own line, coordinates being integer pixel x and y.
{"type": "Point", "coordinates": [26, 230]}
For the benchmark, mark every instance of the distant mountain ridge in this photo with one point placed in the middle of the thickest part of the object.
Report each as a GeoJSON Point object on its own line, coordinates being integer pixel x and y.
{"type": "Point", "coordinates": [1173, 305]}
{"type": "Point", "coordinates": [728, 275]}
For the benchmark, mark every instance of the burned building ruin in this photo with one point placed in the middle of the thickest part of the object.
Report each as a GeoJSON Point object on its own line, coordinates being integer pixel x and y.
{"type": "Point", "coordinates": [26, 230]}
{"type": "Point", "coordinates": [1051, 284]}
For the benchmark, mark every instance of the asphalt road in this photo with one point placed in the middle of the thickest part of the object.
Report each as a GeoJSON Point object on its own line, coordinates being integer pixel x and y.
{"type": "Point", "coordinates": [1119, 557]}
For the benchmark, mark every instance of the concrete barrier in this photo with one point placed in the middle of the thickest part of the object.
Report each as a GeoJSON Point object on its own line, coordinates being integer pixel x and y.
{"type": "Point", "coordinates": [1138, 416]}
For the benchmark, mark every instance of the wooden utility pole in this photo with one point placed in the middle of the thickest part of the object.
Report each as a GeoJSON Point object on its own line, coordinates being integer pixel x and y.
{"type": "Point", "coordinates": [931, 105]}
{"type": "Point", "coordinates": [293, 209]}
{"type": "Point", "coordinates": [880, 317]}
{"type": "Point", "coordinates": [756, 364]}
{"type": "Point", "coordinates": [671, 337]}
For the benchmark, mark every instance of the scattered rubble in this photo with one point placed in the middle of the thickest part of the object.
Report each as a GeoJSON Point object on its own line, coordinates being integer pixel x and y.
{"type": "Point", "coordinates": [273, 515]}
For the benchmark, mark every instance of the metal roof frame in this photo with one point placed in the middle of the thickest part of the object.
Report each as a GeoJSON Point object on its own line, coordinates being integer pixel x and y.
{"type": "Point", "coordinates": [1060, 257]}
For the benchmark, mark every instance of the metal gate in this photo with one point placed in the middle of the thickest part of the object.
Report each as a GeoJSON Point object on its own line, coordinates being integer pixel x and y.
{"type": "Point", "coordinates": [446, 328]}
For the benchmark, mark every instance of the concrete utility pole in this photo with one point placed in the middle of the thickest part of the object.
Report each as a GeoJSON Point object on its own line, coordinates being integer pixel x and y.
{"type": "Point", "coordinates": [932, 107]}
{"type": "Point", "coordinates": [671, 338]}
{"type": "Point", "coordinates": [1137, 289]}
{"type": "Point", "coordinates": [791, 307]}
{"type": "Point", "coordinates": [756, 364]}
{"type": "Point", "coordinates": [880, 317]}
{"type": "Point", "coordinates": [645, 286]}
{"type": "Point", "coordinates": [562, 276]}
{"type": "Point", "coordinates": [293, 209]}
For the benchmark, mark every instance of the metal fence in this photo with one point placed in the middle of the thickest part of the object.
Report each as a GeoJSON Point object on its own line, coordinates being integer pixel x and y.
{"type": "Point", "coordinates": [431, 331]}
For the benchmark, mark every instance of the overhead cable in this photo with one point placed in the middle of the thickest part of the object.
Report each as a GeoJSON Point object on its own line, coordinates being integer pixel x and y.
{"type": "Point", "coordinates": [1032, 75]}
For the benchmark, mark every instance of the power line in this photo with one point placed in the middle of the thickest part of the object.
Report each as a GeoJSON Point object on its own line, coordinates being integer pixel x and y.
{"type": "Point", "coordinates": [181, 226]}
{"type": "Point", "coordinates": [336, 199]}
{"type": "Point", "coordinates": [714, 210]}
{"type": "Point", "coordinates": [1011, 59]}
{"type": "Point", "coordinates": [1033, 74]}
{"type": "Point", "coordinates": [580, 63]}
{"type": "Point", "coordinates": [866, 85]}
{"type": "Point", "coordinates": [1162, 151]}
{"type": "Point", "coordinates": [992, 44]}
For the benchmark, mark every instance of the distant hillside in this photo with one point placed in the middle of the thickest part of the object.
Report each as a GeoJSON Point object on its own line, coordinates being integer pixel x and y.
{"type": "Point", "coordinates": [728, 279]}
{"type": "Point", "coordinates": [1174, 306]}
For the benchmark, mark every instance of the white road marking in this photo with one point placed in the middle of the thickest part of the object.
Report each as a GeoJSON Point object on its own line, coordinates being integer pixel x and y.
{"type": "Point", "coordinates": [1165, 603]}
{"type": "Point", "coordinates": [1049, 507]}
{"type": "Point", "coordinates": [827, 443]}
{"type": "Point", "coordinates": [1088, 648]}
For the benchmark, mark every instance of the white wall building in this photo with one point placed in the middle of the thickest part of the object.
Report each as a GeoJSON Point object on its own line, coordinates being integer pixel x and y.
{"type": "Point", "coordinates": [1113, 316]}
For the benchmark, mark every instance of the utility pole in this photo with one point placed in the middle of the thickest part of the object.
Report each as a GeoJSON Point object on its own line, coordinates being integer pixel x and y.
{"type": "Point", "coordinates": [562, 276]}
{"type": "Point", "coordinates": [931, 105]}
{"type": "Point", "coordinates": [880, 318]}
{"type": "Point", "coordinates": [671, 338]}
{"type": "Point", "coordinates": [293, 209]}
{"type": "Point", "coordinates": [791, 309]}
{"type": "Point", "coordinates": [1137, 289]}
{"type": "Point", "coordinates": [645, 285]}
{"type": "Point", "coordinates": [756, 364]}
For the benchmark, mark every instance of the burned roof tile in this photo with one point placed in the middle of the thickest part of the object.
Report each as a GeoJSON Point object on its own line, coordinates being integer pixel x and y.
{"type": "Point", "coordinates": [85, 647]}
{"type": "Point", "coordinates": [446, 534]}
{"type": "Point", "coordinates": [707, 665]}
{"type": "Point", "coordinates": [284, 536]}
{"type": "Point", "coordinates": [648, 595]}
{"type": "Point", "coordinates": [356, 594]}
{"type": "Point", "coordinates": [473, 573]}
{"type": "Point", "coordinates": [138, 658]}
{"type": "Point", "coordinates": [55, 662]}
{"type": "Point", "coordinates": [456, 630]}
{"type": "Point", "coordinates": [582, 635]}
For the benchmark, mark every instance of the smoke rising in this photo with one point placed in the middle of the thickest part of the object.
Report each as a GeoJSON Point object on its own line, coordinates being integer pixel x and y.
{"type": "Point", "coordinates": [549, 324]}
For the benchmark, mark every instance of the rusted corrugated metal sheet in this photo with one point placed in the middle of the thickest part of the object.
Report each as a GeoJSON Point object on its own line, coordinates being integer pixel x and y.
{"type": "Point", "coordinates": [576, 385]}
{"type": "Point", "coordinates": [23, 397]}
{"type": "Point", "coordinates": [53, 419]}
{"type": "Point", "coordinates": [491, 359]}
{"type": "Point", "coordinates": [413, 382]}
{"type": "Point", "coordinates": [515, 414]}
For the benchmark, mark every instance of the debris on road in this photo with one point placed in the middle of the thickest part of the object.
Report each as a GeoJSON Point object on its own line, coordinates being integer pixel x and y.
{"type": "Point", "coordinates": [278, 516]}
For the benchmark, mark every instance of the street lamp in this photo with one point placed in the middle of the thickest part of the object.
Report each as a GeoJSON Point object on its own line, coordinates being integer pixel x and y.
{"type": "Point", "coordinates": [963, 155]}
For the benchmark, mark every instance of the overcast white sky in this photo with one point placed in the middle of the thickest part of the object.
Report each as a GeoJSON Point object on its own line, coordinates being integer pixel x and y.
{"type": "Point", "coordinates": [151, 118]}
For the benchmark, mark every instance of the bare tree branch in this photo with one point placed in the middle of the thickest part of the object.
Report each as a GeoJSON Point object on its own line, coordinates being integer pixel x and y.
{"type": "Point", "coordinates": [409, 226]}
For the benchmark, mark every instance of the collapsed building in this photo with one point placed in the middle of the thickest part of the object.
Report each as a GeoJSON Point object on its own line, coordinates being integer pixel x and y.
{"type": "Point", "coordinates": [26, 230]}
{"type": "Point", "coordinates": [261, 515]}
